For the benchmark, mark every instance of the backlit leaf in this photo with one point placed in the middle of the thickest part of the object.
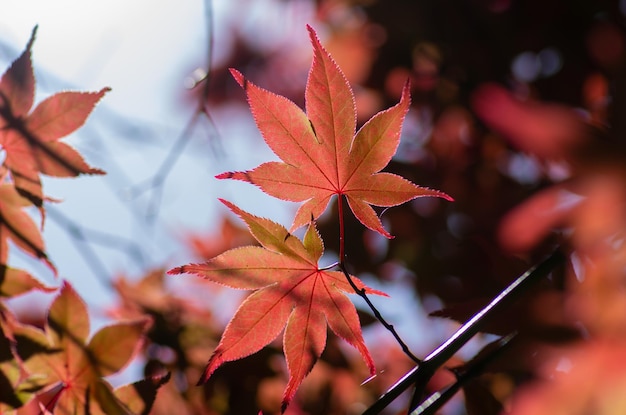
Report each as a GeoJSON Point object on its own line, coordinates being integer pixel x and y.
{"type": "Point", "coordinates": [321, 154]}
{"type": "Point", "coordinates": [114, 346]}
{"type": "Point", "coordinates": [292, 292]}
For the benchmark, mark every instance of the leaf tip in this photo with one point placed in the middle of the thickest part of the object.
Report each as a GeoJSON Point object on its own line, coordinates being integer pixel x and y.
{"type": "Point", "coordinates": [33, 35]}
{"type": "Point", "coordinates": [445, 196]}
{"type": "Point", "coordinates": [315, 40]}
{"type": "Point", "coordinates": [238, 76]}
{"type": "Point", "coordinates": [103, 91]}
{"type": "Point", "coordinates": [426, 191]}
{"type": "Point", "coordinates": [213, 364]}
{"type": "Point", "coordinates": [383, 232]}
{"type": "Point", "coordinates": [229, 205]}
{"type": "Point", "coordinates": [177, 270]}
{"type": "Point", "coordinates": [235, 175]}
{"type": "Point", "coordinates": [96, 172]}
{"type": "Point", "coordinates": [225, 175]}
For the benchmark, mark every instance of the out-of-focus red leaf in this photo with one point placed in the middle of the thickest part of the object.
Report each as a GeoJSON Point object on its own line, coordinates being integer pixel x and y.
{"type": "Point", "coordinates": [544, 129]}
{"type": "Point", "coordinates": [228, 236]}
{"type": "Point", "coordinates": [587, 378]}
{"type": "Point", "coordinates": [528, 224]}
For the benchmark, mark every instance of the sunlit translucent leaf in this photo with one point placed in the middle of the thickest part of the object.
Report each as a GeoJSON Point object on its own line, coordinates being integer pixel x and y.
{"type": "Point", "coordinates": [291, 293]}
{"type": "Point", "coordinates": [321, 154]}
{"type": "Point", "coordinates": [114, 346]}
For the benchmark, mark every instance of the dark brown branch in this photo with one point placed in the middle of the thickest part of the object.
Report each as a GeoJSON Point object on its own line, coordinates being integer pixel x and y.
{"type": "Point", "coordinates": [435, 401]}
{"type": "Point", "coordinates": [421, 374]}
{"type": "Point", "coordinates": [361, 292]}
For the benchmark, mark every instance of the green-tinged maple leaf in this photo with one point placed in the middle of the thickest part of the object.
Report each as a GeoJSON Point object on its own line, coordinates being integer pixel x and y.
{"type": "Point", "coordinates": [30, 140]}
{"type": "Point", "coordinates": [322, 155]}
{"type": "Point", "coordinates": [16, 225]}
{"type": "Point", "coordinates": [63, 357]}
{"type": "Point", "coordinates": [16, 387]}
{"type": "Point", "coordinates": [290, 290]}
{"type": "Point", "coordinates": [11, 395]}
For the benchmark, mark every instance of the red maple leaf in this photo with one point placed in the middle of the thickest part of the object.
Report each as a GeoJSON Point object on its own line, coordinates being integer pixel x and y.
{"type": "Point", "coordinates": [292, 292]}
{"type": "Point", "coordinates": [321, 154]}
{"type": "Point", "coordinates": [30, 140]}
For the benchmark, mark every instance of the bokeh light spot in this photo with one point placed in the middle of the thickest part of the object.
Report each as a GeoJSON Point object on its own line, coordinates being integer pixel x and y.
{"type": "Point", "coordinates": [526, 67]}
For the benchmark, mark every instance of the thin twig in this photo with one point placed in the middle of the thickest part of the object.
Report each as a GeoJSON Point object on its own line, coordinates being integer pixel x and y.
{"type": "Point", "coordinates": [379, 317]}
{"type": "Point", "coordinates": [127, 246]}
{"type": "Point", "coordinates": [435, 401]}
{"type": "Point", "coordinates": [157, 181]}
{"type": "Point", "coordinates": [81, 243]}
{"type": "Point", "coordinates": [341, 229]}
{"type": "Point", "coordinates": [360, 291]}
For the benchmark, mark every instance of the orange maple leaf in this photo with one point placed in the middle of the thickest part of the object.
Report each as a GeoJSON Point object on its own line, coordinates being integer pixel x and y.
{"type": "Point", "coordinates": [65, 361]}
{"type": "Point", "coordinates": [291, 291]}
{"type": "Point", "coordinates": [30, 141]}
{"type": "Point", "coordinates": [322, 155]}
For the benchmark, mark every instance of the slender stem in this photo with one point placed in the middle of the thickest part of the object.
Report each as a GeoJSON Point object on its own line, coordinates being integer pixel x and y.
{"type": "Point", "coordinates": [81, 242]}
{"type": "Point", "coordinates": [379, 317]}
{"type": "Point", "coordinates": [361, 291]}
{"type": "Point", "coordinates": [157, 182]}
{"type": "Point", "coordinates": [331, 266]}
{"type": "Point", "coordinates": [341, 229]}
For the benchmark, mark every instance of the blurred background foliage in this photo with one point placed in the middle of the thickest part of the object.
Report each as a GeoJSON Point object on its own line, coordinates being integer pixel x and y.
{"type": "Point", "coordinates": [484, 145]}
